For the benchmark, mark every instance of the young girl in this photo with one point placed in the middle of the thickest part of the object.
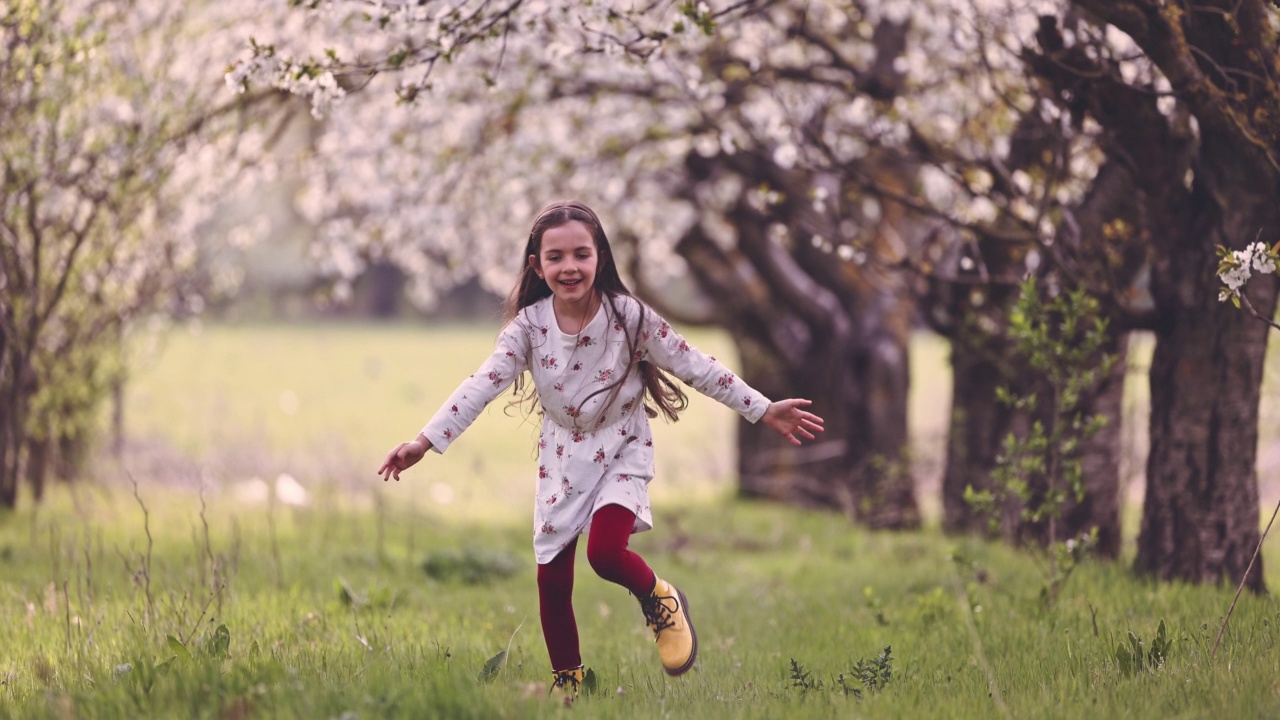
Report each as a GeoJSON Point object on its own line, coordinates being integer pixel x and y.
{"type": "Point", "coordinates": [597, 357]}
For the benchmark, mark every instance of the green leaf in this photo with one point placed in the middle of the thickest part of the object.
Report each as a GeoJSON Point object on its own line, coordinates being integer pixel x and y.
{"type": "Point", "coordinates": [219, 643]}
{"type": "Point", "coordinates": [590, 684]}
{"type": "Point", "coordinates": [179, 650]}
{"type": "Point", "coordinates": [492, 666]}
{"type": "Point", "coordinates": [1124, 659]}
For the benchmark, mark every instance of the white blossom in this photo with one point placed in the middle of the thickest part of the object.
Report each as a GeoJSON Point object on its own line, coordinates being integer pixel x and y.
{"type": "Point", "coordinates": [1238, 266]}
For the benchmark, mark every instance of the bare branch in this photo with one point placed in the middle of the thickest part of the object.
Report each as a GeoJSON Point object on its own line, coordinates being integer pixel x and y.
{"type": "Point", "coordinates": [1249, 306]}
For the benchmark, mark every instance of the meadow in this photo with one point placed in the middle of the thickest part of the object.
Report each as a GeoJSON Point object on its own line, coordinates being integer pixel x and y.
{"type": "Point", "coordinates": [242, 560]}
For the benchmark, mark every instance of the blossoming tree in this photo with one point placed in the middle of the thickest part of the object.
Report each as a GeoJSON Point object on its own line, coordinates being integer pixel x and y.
{"type": "Point", "coordinates": [1202, 145]}
{"type": "Point", "coordinates": [116, 146]}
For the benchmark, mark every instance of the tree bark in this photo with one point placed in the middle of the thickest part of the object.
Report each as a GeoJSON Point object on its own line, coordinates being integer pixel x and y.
{"type": "Point", "coordinates": [37, 465]}
{"type": "Point", "coordinates": [1200, 513]}
{"type": "Point", "coordinates": [12, 419]}
{"type": "Point", "coordinates": [859, 463]}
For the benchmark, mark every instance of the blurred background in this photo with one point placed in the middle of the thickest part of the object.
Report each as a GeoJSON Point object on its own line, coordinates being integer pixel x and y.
{"type": "Point", "coordinates": [250, 246]}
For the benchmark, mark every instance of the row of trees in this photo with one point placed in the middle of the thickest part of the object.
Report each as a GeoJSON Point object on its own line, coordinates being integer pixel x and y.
{"type": "Point", "coordinates": [818, 169]}
{"type": "Point", "coordinates": [812, 176]}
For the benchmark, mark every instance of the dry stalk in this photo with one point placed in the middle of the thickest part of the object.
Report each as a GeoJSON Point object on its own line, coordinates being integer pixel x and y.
{"type": "Point", "coordinates": [146, 560]}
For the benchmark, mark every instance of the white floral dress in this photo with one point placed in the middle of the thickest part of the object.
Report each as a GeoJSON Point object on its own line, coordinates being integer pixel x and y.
{"type": "Point", "coordinates": [595, 448]}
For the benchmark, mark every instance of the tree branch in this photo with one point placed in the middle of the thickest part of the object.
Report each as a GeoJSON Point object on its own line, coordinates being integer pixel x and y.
{"type": "Point", "coordinates": [1158, 30]}
{"type": "Point", "coordinates": [1249, 306]}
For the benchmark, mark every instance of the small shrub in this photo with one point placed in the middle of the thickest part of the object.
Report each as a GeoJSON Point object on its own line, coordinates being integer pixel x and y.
{"type": "Point", "coordinates": [1136, 656]}
{"type": "Point", "coordinates": [1064, 339]}
{"type": "Point", "coordinates": [803, 679]}
{"type": "Point", "coordinates": [873, 674]}
{"type": "Point", "coordinates": [934, 606]}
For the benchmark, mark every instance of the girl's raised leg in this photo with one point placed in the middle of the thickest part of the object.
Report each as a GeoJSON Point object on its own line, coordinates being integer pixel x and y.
{"type": "Point", "coordinates": [665, 609]}
{"type": "Point", "coordinates": [608, 554]}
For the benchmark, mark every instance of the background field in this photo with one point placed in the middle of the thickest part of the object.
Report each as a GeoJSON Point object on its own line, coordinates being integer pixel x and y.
{"type": "Point", "coordinates": [113, 603]}
{"type": "Point", "coordinates": [325, 403]}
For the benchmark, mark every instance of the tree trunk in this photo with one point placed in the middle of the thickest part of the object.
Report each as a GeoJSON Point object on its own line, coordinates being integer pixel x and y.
{"type": "Point", "coordinates": [1200, 513]}
{"type": "Point", "coordinates": [37, 465]}
{"type": "Point", "coordinates": [8, 464]}
{"type": "Point", "coordinates": [773, 470]}
{"type": "Point", "coordinates": [12, 419]}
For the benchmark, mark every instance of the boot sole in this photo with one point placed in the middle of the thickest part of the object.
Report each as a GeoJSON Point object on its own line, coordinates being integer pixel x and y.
{"type": "Point", "coordinates": [692, 633]}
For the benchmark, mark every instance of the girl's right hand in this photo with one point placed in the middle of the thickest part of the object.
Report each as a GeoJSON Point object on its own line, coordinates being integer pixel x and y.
{"type": "Point", "coordinates": [402, 457]}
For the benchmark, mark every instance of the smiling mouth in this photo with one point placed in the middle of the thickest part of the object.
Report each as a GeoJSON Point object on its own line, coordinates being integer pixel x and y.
{"type": "Point", "coordinates": [571, 283]}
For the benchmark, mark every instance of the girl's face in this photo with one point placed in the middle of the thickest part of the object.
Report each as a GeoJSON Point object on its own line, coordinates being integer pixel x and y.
{"type": "Point", "coordinates": [567, 261]}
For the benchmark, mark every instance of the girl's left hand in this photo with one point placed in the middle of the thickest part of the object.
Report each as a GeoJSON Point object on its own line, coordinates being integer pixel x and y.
{"type": "Point", "coordinates": [788, 420]}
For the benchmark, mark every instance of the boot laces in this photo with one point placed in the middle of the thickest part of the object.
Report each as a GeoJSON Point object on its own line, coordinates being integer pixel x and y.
{"type": "Point", "coordinates": [657, 613]}
{"type": "Point", "coordinates": [566, 680]}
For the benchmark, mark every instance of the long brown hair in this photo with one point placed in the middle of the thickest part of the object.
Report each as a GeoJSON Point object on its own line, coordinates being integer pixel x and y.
{"type": "Point", "coordinates": [661, 394]}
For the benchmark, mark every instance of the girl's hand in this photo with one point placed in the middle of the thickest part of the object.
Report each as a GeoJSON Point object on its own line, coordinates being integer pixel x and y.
{"type": "Point", "coordinates": [402, 457]}
{"type": "Point", "coordinates": [788, 420]}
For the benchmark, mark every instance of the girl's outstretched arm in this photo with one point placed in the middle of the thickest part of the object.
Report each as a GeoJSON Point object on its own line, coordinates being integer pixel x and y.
{"type": "Point", "coordinates": [403, 456]}
{"type": "Point", "coordinates": [509, 359]}
{"type": "Point", "coordinates": [788, 420]}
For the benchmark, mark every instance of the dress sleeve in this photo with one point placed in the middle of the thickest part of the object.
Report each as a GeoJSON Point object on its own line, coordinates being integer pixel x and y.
{"type": "Point", "coordinates": [664, 347]}
{"type": "Point", "coordinates": [510, 358]}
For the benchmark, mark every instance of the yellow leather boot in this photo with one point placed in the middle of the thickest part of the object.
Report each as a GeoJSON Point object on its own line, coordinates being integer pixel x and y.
{"type": "Point", "coordinates": [565, 684]}
{"type": "Point", "coordinates": [667, 613]}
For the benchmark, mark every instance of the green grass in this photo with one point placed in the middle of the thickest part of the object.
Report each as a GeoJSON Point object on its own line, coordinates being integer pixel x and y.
{"type": "Point", "coordinates": [329, 613]}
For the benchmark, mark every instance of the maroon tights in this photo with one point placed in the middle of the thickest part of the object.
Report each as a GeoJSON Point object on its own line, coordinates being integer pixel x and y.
{"type": "Point", "coordinates": [608, 554]}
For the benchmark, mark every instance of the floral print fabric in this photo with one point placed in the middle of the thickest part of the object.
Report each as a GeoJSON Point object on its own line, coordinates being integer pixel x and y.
{"type": "Point", "coordinates": [595, 447]}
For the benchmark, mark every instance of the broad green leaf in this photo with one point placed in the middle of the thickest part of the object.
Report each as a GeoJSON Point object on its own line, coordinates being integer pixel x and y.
{"type": "Point", "coordinates": [179, 649]}
{"type": "Point", "coordinates": [492, 666]}
{"type": "Point", "coordinates": [219, 643]}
